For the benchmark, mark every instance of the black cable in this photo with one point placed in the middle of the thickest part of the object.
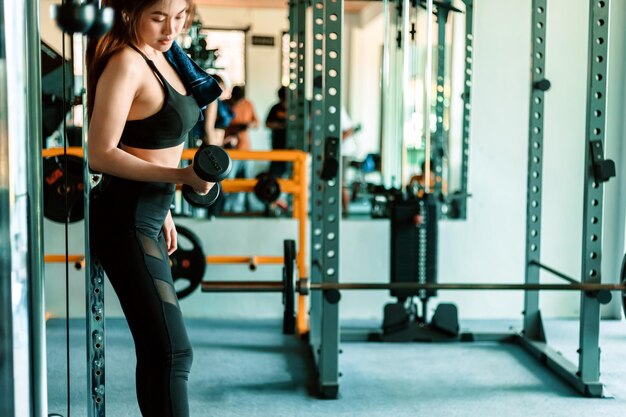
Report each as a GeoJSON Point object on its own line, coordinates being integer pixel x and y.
{"type": "Point", "coordinates": [67, 265]}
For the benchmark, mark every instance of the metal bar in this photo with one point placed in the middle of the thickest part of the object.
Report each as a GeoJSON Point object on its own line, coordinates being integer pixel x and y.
{"type": "Point", "coordinates": [17, 385]}
{"type": "Point", "coordinates": [317, 185]}
{"type": "Point", "coordinates": [258, 260]}
{"type": "Point", "coordinates": [94, 273]}
{"type": "Point", "coordinates": [300, 212]}
{"type": "Point", "coordinates": [428, 70]}
{"type": "Point", "coordinates": [554, 272]}
{"type": "Point", "coordinates": [278, 155]}
{"type": "Point", "coordinates": [260, 286]}
{"type": "Point", "coordinates": [35, 194]}
{"type": "Point", "coordinates": [532, 326]}
{"type": "Point", "coordinates": [591, 256]}
{"type": "Point", "coordinates": [215, 259]}
{"type": "Point", "coordinates": [293, 66]}
{"type": "Point", "coordinates": [467, 104]}
{"type": "Point", "coordinates": [242, 286]}
{"type": "Point", "coordinates": [328, 366]}
{"type": "Point", "coordinates": [439, 149]}
{"type": "Point", "coordinates": [302, 111]}
{"type": "Point", "coordinates": [463, 286]}
{"type": "Point", "coordinates": [242, 184]}
{"type": "Point", "coordinates": [8, 386]}
{"type": "Point", "coordinates": [189, 153]}
{"type": "Point", "coordinates": [555, 361]}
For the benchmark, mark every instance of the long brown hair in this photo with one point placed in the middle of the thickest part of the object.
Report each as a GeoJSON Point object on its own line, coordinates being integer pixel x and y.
{"type": "Point", "coordinates": [123, 32]}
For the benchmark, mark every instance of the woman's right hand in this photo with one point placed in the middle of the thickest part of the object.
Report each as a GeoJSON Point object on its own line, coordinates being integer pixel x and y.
{"type": "Point", "coordinates": [198, 184]}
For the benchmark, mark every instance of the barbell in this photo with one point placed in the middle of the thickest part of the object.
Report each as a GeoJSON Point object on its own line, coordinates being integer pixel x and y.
{"type": "Point", "coordinates": [331, 290]}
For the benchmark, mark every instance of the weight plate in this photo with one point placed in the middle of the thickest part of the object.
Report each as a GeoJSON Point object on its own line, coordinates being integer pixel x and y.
{"type": "Point", "coordinates": [201, 200]}
{"type": "Point", "coordinates": [212, 163]}
{"type": "Point", "coordinates": [188, 262]}
{"type": "Point", "coordinates": [289, 317]}
{"type": "Point", "coordinates": [61, 178]}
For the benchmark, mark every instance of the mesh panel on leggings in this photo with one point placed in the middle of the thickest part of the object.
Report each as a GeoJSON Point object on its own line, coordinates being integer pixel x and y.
{"type": "Point", "coordinates": [150, 246]}
{"type": "Point", "coordinates": [166, 292]}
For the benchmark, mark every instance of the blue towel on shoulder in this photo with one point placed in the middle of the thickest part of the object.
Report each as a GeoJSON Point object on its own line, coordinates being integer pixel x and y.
{"type": "Point", "coordinates": [203, 87]}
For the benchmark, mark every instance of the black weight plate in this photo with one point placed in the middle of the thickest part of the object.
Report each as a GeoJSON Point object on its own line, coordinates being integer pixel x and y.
{"type": "Point", "coordinates": [201, 200]}
{"type": "Point", "coordinates": [188, 264]}
{"type": "Point", "coordinates": [289, 317]}
{"type": "Point", "coordinates": [267, 188]}
{"type": "Point", "coordinates": [212, 163]}
{"type": "Point", "coordinates": [55, 173]}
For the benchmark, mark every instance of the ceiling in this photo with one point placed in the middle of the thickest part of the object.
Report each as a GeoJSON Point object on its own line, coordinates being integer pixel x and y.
{"type": "Point", "coordinates": [350, 6]}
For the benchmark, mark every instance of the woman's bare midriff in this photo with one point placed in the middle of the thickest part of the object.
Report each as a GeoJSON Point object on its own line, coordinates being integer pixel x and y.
{"type": "Point", "coordinates": [168, 157]}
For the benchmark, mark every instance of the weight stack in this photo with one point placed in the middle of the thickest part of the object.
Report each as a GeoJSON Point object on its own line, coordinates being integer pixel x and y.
{"type": "Point", "coordinates": [413, 245]}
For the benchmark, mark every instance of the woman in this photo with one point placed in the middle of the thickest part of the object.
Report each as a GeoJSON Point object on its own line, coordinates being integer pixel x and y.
{"type": "Point", "coordinates": [140, 114]}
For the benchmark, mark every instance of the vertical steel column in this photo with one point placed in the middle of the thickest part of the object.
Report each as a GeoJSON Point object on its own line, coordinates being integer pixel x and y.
{"type": "Point", "coordinates": [533, 328]}
{"type": "Point", "coordinates": [317, 185]}
{"type": "Point", "coordinates": [16, 344]}
{"type": "Point", "coordinates": [292, 97]}
{"type": "Point", "coordinates": [296, 99]}
{"type": "Point", "coordinates": [35, 193]}
{"type": "Point", "coordinates": [7, 362]}
{"type": "Point", "coordinates": [439, 148]}
{"type": "Point", "coordinates": [467, 105]}
{"type": "Point", "coordinates": [589, 359]}
{"type": "Point", "coordinates": [302, 111]}
{"type": "Point", "coordinates": [94, 280]}
{"type": "Point", "coordinates": [331, 199]}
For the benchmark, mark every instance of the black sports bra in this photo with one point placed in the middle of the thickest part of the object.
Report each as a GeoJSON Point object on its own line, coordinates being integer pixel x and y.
{"type": "Point", "coordinates": [169, 126]}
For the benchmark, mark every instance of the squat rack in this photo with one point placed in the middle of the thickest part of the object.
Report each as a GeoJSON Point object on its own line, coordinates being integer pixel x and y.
{"type": "Point", "coordinates": [324, 335]}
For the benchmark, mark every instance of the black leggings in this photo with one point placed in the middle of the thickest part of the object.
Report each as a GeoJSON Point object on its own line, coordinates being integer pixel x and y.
{"type": "Point", "coordinates": [125, 232]}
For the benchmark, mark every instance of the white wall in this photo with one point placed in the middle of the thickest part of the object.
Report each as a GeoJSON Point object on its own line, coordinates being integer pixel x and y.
{"type": "Point", "coordinates": [364, 77]}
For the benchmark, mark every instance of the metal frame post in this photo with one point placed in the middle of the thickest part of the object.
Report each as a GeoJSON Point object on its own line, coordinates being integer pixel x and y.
{"type": "Point", "coordinates": [94, 281]}
{"type": "Point", "coordinates": [591, 270]}
{"type": "Point", "coordinates": [296, 98]}
{"type": "Point", "coordinates": [467, 105]}
{"type": "Point", "coordinates": [35, 193]}
{"type": "Point", "coordinates": [302, 111]}
{"type": "Point", "coordinates": [328, 354]}
{"type": "Point", "coordinates": [317, 185]}
{"type": "Point", "coordinates": [533, 327]}
{"type": "Point", "coordinates": [439, 149]}
{"type": "Point", "coordinates": [20, 382]}
{"type": "Point", "coordinates": [292, 97]}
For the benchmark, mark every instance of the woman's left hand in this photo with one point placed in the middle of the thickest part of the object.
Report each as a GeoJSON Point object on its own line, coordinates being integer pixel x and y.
{"type": "Point", "coordinates": [169, 231]}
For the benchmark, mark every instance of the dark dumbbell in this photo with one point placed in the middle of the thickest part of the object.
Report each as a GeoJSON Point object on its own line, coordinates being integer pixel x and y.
{"type": "Point", "coordinates": [83, 17]}
{"type": "Point", "coordinates": [212, 164]}
{"type": "Point", "coordinates": [267, 188]}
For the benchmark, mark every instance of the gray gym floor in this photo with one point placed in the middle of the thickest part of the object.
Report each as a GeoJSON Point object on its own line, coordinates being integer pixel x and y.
{"type": "Point", "coordinates": [248, 368]}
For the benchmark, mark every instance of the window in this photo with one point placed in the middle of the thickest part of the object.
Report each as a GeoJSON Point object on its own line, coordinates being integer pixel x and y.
{"type": "Point", "coordinates": [231, 54]}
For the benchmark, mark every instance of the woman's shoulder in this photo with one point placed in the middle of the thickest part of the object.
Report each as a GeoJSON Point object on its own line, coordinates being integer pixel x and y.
{"type": "Point", "coordinates": [126, 61]}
